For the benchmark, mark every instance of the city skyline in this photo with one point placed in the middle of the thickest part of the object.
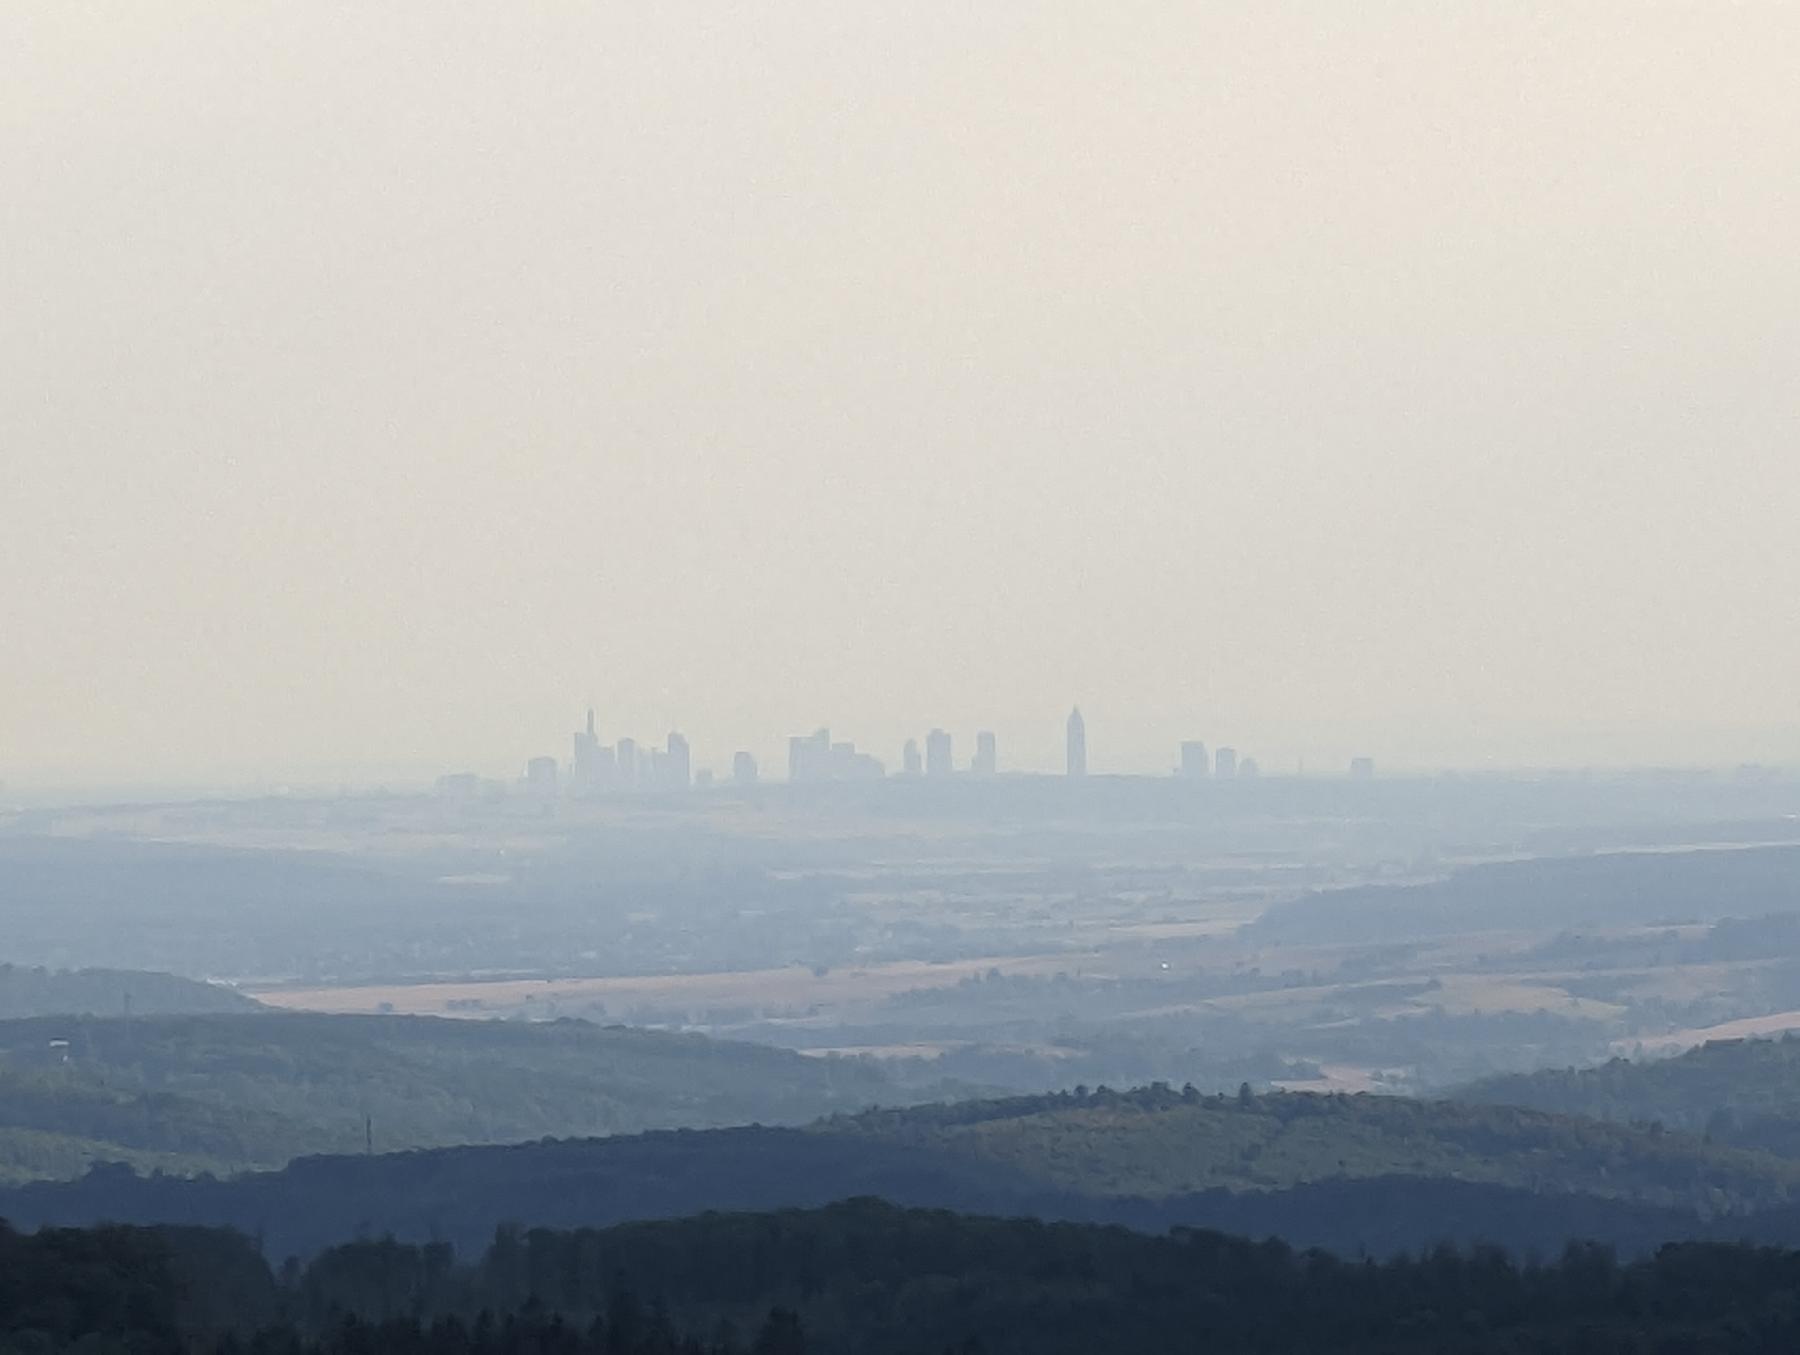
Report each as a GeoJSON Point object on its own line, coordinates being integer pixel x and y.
{"type": "Point", "coordinates": [820, 756]}
{"type": "Point", "coordinates": [627, 765]}
{"type": "Point", "coordinates": [430, 428]}
{"type": "Point", "coordinates": [1024, 748]}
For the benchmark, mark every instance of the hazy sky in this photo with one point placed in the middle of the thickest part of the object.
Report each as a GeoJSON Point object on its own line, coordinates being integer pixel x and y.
{"type": "Point", "coordinates": [378, 383]}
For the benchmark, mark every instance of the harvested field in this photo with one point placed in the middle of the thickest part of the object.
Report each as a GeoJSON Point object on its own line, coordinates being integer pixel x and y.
{"type": "Point", "coordinates": [792, 988]}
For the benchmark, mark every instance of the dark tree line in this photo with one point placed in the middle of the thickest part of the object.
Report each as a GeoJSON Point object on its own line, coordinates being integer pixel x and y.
{"type": "Point", "coordinates": [866, 1278]}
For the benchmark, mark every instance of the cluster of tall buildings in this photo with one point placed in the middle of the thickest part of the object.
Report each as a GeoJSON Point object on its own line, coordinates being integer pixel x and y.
{"type": "Point", "coordinates": [1223, 765]}
{"type": "Point", "coordinates": [625, 765]}
{"type": "Point", "coordinates": [1226, 765]}
{"type": "Point", "coordinates": [818, 757]}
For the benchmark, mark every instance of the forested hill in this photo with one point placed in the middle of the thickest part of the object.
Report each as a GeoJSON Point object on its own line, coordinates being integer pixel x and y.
{"type": "Point", "coordinates": [1743, 1092]}
{"type": "Point", "coordinates": [865, 1278]}
{"type": "Point", "coordinates": [1551, 893]}
{"type": "Point", "coordinates": [1354, 1173]}
{"type": "Point", "coordinates": [110, 992]}
{"type": "Point", "coordinates": [1155, 1142]}
{"type": "Point", "coordinates": [234, 1092]}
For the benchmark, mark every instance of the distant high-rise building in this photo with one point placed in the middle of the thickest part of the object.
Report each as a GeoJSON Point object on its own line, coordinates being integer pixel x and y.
{"type": "Point", "coordinates": [1248, 769]}
{"type": "Point", "coordinates": [584, 766]}
{"type": "Point", "coordinates": [1362, 769]}
{"type": "Point", "coordinates": [937, 753]}
{"type": "Point", "coordinates": [809, 756]}
{"type": "Point", "coordinates": [863, 767]}
{"type": "Point", "coordinates": [743, 769]}
{"type": "Point", "coordinates": [911, 764]}
{"type": "Point", "coordinates": [1225, 763]}
{"type": "Point", "coordinates": [625, 775]}
{"type": "Point", "coordinates": [1194, 763]}
{"type": "Point", "coordinates": [987, 754]}
{"type": "Point", "coordinates": [459, 785]}
{"type": "Point", "coordinates": [540, 776]}
{"type": "Point", "coordinates": [677, 764]}
{"type": "Point", "coordinates": [814, 757]}
{"type": "Point", "coordinates": [1077, 744]}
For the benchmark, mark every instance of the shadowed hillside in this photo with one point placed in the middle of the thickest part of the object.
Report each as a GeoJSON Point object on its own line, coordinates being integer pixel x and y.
{"type": "Point", "coordinates": [1354, 1173]}
{"type": "Point", "coordinates": [1551, 893]}
{"type": "Point", "coordinates": [1743, 1092]}
{"type": "Point", "coordinates": [26, 992]}
{"type": "Point", "coordinates": [228, 1093]}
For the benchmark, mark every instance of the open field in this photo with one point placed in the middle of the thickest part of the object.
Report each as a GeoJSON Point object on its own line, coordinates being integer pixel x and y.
{"type": "Point", "coordinates": [791, 988]}
{"type": "Point", "coordinates": [1750, 1027]}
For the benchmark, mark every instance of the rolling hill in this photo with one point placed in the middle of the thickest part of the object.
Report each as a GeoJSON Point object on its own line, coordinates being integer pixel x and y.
{"type": "Point", "coordinates": [1549, 894]}
{"type": "Point", "coordinates": [1742, 1092]}
{"type": "Point", "coordinates": [1353, 1173]}
{"type": "Point", "coordinates": [26, 992]}
{"type": "Point", "coordinates": [227, 1093]}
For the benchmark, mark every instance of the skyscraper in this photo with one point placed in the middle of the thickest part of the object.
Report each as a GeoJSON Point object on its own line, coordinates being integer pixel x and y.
{"type": "Point", "coordinates": [540, 776]}
{"type": "Point", "coordinates": [987, 754]}
{"type": "Point", "coordinates": [626, 774]}
{"type": "Point", "coordinates": [1225, 764]}
{"type": "Point", "coordinates": [1194, 763]}
{"type": "Point", "coordinates": [911, 764]}
{"type": "Point", "coordinates": [584, 766]}
{"type": "Point", "coordinates": [1077, 738]}
{"type": "Point", "coordinates": [743, 769]}
{"type": "Point", "coordinates": [937, 753]}
{"type": "Point", "coordinates": [809, 756]}
{"type": "Point", "coordinates": [677, 764]}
